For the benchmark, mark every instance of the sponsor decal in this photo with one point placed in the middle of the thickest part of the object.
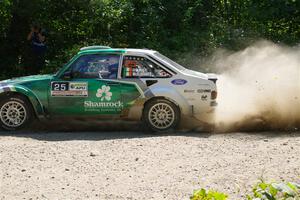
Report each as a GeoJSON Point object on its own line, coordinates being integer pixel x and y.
{"type": "Point", "coordinates": [78, 86]}
{"type": "Point", "coordinates": [179, 82]}
{"type": "Point", "coordinates": [90, 104]}
{"type": "Point", "coordinates": [105, 104]}
{"type": "Point", "coordinates": [188, 91]}
{"type": "Point", "coordinates": [204, 97]}
{"type": "Point", "coordinates": [134, 58]}
{"type": "Point", "coordinates": [104, 93]}
{"type": "Point", "coordinates": [203, 90]}
{"type": "Point", "coordinates": [191, 99]}
{"type": "Point", "coordinates": [69, 89]}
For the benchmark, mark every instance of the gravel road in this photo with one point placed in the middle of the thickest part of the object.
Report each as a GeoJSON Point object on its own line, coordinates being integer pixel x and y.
{"type": "Point", "coordinates": [133, 165]}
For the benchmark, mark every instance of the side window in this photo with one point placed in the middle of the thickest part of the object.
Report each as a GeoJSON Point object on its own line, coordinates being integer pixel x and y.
{"type": "Point", "coordinates": [140, 67]}
{"type": "Point", "coordinates": [96, 66]}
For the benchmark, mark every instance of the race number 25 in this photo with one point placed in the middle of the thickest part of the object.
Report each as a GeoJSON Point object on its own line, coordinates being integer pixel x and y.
{"type": "Point", "coordinates": [60, 86]}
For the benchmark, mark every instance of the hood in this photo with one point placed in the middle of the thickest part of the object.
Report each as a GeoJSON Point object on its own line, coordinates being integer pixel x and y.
{"type": "Point", "coordinates": [25, 79]}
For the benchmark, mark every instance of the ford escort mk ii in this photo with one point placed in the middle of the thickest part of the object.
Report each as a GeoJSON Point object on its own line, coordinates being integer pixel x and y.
{"type": "Point", "coordinates": [107, 83]}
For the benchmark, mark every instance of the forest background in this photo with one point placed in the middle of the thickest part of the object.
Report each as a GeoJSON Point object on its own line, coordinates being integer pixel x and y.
{"type": "Point", "coordinates": [181, 29]}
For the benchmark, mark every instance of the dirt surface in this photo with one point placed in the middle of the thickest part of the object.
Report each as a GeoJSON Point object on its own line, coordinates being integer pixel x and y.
{"type": "Point", "coordinates": [133, 165]}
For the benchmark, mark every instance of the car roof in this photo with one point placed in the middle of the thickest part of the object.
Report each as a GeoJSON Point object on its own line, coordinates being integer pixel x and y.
{"type": "Point", "coordinates": [103, 49]}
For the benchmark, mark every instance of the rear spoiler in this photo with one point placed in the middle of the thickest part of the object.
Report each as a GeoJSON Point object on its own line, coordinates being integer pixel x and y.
{"type": "Point", "coordinates": [212, 77]}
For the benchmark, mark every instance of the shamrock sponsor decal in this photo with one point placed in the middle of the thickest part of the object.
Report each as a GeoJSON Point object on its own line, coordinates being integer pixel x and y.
{"type": "Point", "coordinates": [104, 93]}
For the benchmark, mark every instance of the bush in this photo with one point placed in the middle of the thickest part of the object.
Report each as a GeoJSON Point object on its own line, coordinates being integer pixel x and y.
{"type": "Point", "coordinates": [261, 191]}
{"type": "Point", "coordinates": [202, 194]}
{"type": "Point", "coordinates": [275, 191]}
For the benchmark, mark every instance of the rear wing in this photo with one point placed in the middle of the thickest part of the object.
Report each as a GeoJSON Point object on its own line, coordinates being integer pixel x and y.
{"type": "Point", "coordinates": [212, 77]}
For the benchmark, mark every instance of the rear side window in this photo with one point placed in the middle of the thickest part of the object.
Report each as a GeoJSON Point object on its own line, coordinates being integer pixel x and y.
{"type": "Point", "coordinates": [141, 67]}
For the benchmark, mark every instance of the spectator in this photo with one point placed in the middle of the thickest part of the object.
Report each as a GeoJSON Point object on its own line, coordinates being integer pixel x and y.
{"type": "Point", "coordinates": [37, 39]}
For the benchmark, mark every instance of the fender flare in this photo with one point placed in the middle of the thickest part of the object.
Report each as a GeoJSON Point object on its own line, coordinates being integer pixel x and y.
{"type": "Point", "coordinates": [33, 99]}
{"type": "Point", "coordinates": [172, 95]}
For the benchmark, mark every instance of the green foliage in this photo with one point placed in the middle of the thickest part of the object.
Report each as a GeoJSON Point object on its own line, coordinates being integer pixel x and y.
{"type": "Point", "coordinates": [275, 191]}
{"type": "Point", "coordinates": [5, 15]}
{"type": "Point", "coordinates": [57, 62]}
{"type": "Point", "coordinates": [202, 194]}
{"type": "Point", "coordinates": [173, 27]}
{"type": "Point", "coordinates": [261, 191]}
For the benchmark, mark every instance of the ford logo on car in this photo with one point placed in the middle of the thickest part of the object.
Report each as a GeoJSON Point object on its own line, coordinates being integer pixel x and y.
{"type": "Point", "coordinates": [179, 82]}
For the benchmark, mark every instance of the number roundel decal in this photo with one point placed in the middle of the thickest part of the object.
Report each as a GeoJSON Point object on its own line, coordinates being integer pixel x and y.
{"type": "Point", "coordinates": [69, 89]}
{"type": "Point", "coordinates": [60, 86]}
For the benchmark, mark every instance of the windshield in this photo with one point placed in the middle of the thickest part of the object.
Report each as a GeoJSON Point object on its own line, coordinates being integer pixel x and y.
{"type": "Point", "coordinates": [169, 61]}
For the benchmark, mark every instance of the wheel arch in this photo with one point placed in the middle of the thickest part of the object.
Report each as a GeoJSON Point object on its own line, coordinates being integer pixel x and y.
{"type": "Point", "coordinates": [172, 95]}
{"type": "Point", "coordinates": [30, 96]}
{"type": "Point", "coordinates": [162, 97]}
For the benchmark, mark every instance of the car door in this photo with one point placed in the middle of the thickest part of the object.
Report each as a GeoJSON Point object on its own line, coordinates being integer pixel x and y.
{"type": "Point", "coordinates": [88, 87]}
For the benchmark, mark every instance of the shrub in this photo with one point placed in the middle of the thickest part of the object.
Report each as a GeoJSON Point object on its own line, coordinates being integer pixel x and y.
{"type": "Point", "coordinates": [275, 191]}
{"type": "Point", "coordinates": [261, 191]}
{"type": "Point", "coordinates": [202, 194]}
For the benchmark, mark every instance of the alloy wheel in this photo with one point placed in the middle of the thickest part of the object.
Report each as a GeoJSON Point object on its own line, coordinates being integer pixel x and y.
{"type": "Point", "coordinates": [13, 114]}
{"type": "Point", "coordinates": [161, 116]}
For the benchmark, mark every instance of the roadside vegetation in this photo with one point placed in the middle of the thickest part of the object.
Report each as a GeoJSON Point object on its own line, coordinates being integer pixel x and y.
{"type": "Point", "coordinates": [180, 28]}
{"type": "Point", "coordinates": [261, 191]}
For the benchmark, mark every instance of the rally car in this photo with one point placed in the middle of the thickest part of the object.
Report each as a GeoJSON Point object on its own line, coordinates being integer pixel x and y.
{"type": "Point", "coordinates": [107, 83]}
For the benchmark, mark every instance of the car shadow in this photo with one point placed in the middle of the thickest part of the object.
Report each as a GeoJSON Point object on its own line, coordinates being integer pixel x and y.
{"type": "Point", "coordinates": [95, 135]}
{"type": "Point", "coordinates": [60, 131]}
{"type": "Point", "coordinates": [102, 131]}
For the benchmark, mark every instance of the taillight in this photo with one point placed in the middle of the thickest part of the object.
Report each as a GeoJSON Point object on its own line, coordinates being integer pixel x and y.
{"type": "Point", "coordinates": [214, 94]}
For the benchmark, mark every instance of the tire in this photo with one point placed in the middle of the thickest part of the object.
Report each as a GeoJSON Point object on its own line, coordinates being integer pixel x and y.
{"type": "Point", "coordinates": [161, 115]}
{"type": "Point", "coordinates": [15, 112]}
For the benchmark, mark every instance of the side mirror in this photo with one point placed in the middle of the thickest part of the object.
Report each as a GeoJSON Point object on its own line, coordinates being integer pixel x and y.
{"type": "Point", "coordinates": [67, 75]}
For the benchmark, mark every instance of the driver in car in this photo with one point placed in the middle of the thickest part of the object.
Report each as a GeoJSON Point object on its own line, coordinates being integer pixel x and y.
{"type": "Point", "coordinates": [113, 67]}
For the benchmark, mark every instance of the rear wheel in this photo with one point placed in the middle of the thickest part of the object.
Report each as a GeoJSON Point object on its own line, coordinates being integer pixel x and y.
{"type": "Point", "coordinates": [161, 115]}
{"type": "Point", "coordinates": [15, 112]}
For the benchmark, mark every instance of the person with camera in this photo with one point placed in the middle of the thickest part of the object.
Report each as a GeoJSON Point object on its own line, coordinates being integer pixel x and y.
{"type": "Point", "coordinates": [37, 42]}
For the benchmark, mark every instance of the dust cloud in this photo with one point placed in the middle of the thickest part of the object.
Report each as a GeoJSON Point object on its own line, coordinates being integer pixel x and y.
{"type": "Point", "coordinates": [258, 88]}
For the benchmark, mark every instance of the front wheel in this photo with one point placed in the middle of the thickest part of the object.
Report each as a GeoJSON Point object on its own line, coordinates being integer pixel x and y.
{"type": "Point", "coordinates": [161, 115]}
{"type": "Point", "coordinates": [15, 112]}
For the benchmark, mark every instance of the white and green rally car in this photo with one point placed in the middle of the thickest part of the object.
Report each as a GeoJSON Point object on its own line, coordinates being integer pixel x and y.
{"type": "Point", "coordinates": [106, 83]}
